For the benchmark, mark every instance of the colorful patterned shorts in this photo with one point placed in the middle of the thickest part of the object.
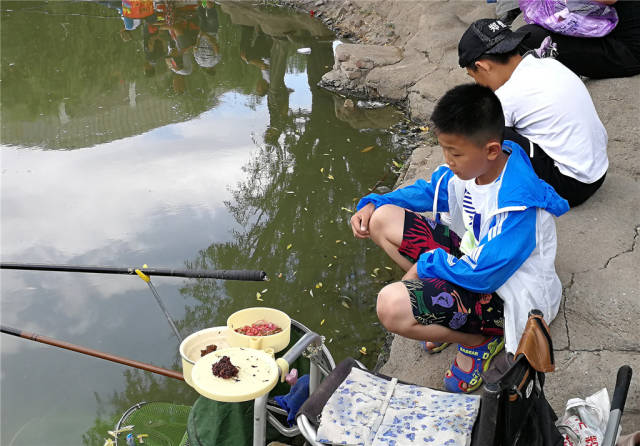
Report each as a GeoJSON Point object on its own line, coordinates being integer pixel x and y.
{"type": "Point", "coordinates": [436, 301]}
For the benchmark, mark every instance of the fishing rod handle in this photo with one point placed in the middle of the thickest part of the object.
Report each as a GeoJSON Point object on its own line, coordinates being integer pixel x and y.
{"type": "Point", "coordinates": [623, 380]}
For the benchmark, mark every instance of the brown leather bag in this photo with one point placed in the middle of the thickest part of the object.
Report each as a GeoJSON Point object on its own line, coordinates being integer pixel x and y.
{"type": "Point", "coordinates": [536, 344]}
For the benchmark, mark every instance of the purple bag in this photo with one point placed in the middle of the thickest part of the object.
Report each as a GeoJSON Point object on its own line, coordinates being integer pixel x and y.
{"type": "Point", "coordinates": [579, 18]}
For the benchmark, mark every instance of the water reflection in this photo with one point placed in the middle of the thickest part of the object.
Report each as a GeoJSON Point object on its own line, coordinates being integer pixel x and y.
{"type": "Point", "coordinates": [201, 139]}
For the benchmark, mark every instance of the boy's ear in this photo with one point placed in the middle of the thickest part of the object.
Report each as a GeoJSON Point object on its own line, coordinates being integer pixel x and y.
{"type": "Point", "coordinates": [494, 148]}
{"type": "Point", "coordinates": [483, 65]}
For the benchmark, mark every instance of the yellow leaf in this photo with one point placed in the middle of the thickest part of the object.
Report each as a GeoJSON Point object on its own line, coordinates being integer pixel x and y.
{"type": "Point", "coordinates": [259, 299]}
{"type": "Point", "coordinates": [366, 149]}
{"type": "Point", "coordinates": [322, 322]}
{"type": "Point", "coordinates": [338, 241]}
{"type": "Point", "coordinates": [424, 129]}
{"type": "Point", "coordinates": [330, 177]}
{"type": "Point", "coordinates": [345, 209]}
{"type": "Point", "coordinates": [279, 275]}
{"type": "Point", "coordinates": [375, 271]}
{"type": "Point", "coordinates": [397, 164]}
{"type": "Point", "coordinates": [363, 350]}
{"type": "Point", "coordinates": [319, 285]}
{"type": "Point", "coordinates": [346, 305]}
{"type": "Point", "coordinates": [373, 275]}
{"type": "Point", "coordinates": [389, 268]}
{"type": "Point", "coordinates": [329, 265]}
{"type": "Point", "coordinates": [258, 295]}
{"type": "Point", "coordinates": [289, 246]}
{"type": "Point", "coordinates": [335, 257]}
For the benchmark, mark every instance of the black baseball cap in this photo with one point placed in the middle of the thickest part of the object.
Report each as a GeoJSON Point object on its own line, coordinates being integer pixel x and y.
{"type": "Point", "coordinates": [487, 36]}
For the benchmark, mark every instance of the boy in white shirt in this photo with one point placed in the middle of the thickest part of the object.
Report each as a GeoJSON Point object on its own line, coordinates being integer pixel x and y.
{"type": "Point", "coordinates": [547, 109]}
{"type": "Point", "coordinates": [473, 290]}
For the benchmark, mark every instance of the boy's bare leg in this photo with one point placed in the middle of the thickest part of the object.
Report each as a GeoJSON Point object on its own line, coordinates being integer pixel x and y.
{"type": "Point", "coordinates": [386, 228]}
{"type": "Point", "coordinates": [395, 313]}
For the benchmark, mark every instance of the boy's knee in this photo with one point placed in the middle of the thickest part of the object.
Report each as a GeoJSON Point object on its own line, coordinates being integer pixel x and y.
{"type": "Point", "coordinates": [380, 219]}
{"type": "Point", "coordinates": [391, 306]}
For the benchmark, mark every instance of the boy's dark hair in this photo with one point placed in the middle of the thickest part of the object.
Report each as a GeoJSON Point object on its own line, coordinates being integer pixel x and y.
{"type": "Point", "coordinates": [472, 111]}
{"type": "Point", "coordinates": [502, 58]}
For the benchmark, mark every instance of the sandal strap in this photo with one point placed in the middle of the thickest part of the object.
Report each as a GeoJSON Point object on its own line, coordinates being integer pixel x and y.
{"type": "Point", "coordinates": [483, 351]}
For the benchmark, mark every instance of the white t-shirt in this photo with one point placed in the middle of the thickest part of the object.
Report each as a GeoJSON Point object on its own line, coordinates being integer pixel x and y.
{"type": "Point", "coordinates": [548, 104]}
{"type": "Point", "coordinates": [476, 202]}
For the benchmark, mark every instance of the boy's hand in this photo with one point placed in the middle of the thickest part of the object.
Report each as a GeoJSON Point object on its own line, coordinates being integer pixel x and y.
{"type": "Point", "coordinates": [360, 221]}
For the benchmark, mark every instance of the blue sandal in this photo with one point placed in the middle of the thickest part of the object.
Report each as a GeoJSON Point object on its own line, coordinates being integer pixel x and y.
{"type": "Point", "coordinates": [482, 355]}
{"type": "Point", "coordinates": [437, 346]}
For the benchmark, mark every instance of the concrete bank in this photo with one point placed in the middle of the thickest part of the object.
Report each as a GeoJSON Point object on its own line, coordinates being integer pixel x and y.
{"type": "Point", "coordinates": [406, 53]}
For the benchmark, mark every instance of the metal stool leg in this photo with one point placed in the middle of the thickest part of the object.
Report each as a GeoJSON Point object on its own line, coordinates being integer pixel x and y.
{"type": "Point", "coordinates": [260, 420]}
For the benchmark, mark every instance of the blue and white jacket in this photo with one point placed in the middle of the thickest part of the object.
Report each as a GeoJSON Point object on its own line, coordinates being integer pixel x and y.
{"type": "Point", "coordinates": [517, 239]}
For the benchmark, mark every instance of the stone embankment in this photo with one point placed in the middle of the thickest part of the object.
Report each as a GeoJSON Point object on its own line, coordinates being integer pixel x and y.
{"type": "Point", "coordinates": [405, 52]}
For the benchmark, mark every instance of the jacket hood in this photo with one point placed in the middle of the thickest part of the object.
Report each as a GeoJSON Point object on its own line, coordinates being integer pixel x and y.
{"type": "Point", "coordinates": [522, 187]}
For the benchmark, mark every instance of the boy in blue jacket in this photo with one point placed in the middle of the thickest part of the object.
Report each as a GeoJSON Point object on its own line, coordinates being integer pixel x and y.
{"type": "Point", "coordinates": [474, 280]}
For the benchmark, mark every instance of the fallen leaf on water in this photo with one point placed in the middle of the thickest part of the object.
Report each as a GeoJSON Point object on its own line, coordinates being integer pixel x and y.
{"type": "Point", "coordinates": [329, 265]}
{"type": "Point", "coordinates": [363, 350]}
{"type": "Point", "coordinates": [345, 209]}
{"type": "Point", "coordinates": [346, 305]}
{"type": "Point", "coordinates": [375, 271]}
{"type": "Point", "coordinates": [259, 298]}
{"type": "Point", "coordinates": [389, 268]}
{"type": "Point", "coordinates": [289, 192]}
{"type": "Point", "coordinates": [335, 257]}
{"type": "Point", "coordinates": [319, 285]}
{"type": "Point", "coordinates": [397, 164]}
{"type": "Point", "coordinates": [366, 149]}
{"type": "Point", "coordinates": [264, 291]}
{"type": "Point", "coordinates": [279, 275]}
{"type": "Point", "coordinates": [338, 241]}
{"type": "Point", "coordinates": [289, 246]}
{"type": "Point", "coordinates": [322, 170]}
{"type": "Point", "coordinates": [258, 295]}
{"type": "Point", "coordinates": [330, 340]}
{"type": "Point", "coordinates": [373, 275]}
{"type": "Point", "coordinates": [306, 209]}
{"type": "Point", "coordinates": [424, 129]}
{"type": "Point", "coordinates": [322, 322]}
{"type": "Point", "coordinates": [311, 292]}
{"type": "Point", "coordinates": [330, 177]}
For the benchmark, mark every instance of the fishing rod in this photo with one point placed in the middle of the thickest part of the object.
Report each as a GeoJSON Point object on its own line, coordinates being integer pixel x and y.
{"type": "Point", "coordinates": [224, 274]}
{"type": "Point", "coordinates": [91, 352]}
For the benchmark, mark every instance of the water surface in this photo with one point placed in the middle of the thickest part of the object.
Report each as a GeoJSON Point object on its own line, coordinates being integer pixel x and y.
{"type": "Point", "coordinates": [110, 157]}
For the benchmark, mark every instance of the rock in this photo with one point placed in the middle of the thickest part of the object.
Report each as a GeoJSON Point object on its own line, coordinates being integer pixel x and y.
{"type": "Point", "coordinates": [319, 3]}
{"type": "Point", "coordinates": [349, 77]}
{"type": "Point", "coordinates": [354, 75]}
{"type": "Point", "coordinates": [348, 104]}
{"type": "Point", "coordinates": [364, 64]}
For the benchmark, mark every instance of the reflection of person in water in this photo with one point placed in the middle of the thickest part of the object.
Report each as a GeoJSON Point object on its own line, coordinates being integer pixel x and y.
{"type": "Point", "coordinates": [207, 51]}
{"type": "Point", "coordinates": [154, 42]}
{"type": "Point", "coordinates": [183, 32]}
